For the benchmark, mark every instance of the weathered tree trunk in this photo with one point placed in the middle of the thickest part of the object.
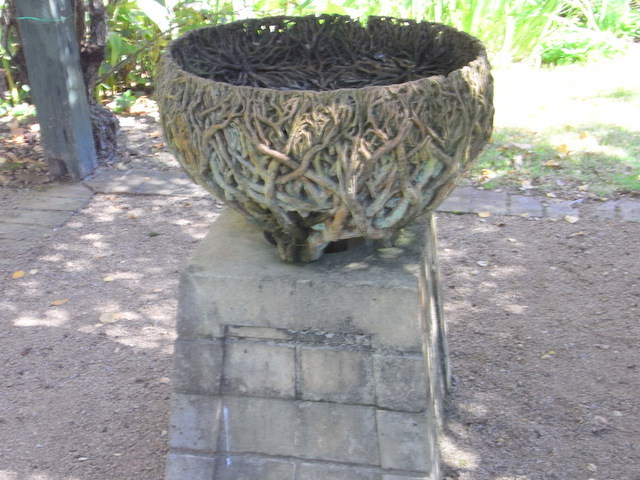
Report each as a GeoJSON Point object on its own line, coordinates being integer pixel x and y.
{"type": "Point", "coordinates": [92, 40]}
{"type": "Point", "coordinates": [58, 90]}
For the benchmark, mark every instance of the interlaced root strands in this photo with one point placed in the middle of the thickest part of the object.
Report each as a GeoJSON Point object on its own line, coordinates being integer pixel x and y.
{"type": "Point", "coordinates": [321, 129]}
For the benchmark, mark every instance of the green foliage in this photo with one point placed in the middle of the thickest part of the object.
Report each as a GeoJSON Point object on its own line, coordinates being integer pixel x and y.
{"type": "Point", "coordinates": [631, 25]}
{"type": "Point", "coordinates": [511, 30]}
{"type": "Point", "coordinates": [134, 45]}
{"type": "Point", "coordinates": [518, 157]}
{"type": "Point", "coordinates": [580, 45]}
{"type": "Point", "coordinates": [124, 101]}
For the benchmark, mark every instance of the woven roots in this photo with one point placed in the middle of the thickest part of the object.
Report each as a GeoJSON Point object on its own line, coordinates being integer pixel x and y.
{"type": "Point", "coordinates": [321, 129]}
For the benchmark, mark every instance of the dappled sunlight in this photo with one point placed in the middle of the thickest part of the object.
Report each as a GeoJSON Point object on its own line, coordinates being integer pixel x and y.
{"type": "Point", "coordinates": [87, 337]}
{"type": "Point", "coordinates": [563, 97]}
{"type": "Point", "coordinates": [530, 353]}
{"type": "Point", "coordinates": [51, 319]}
{"type": "Point", "coordinates": [516, 309]}
{"type": "Point", "coordinates": [13, 475]}
{"type": "Point", "coordinates": [454, 455]}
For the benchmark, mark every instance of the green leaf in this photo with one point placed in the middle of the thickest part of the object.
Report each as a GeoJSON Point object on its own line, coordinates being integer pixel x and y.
{"type": "Point", "coordinates": [335, 9]}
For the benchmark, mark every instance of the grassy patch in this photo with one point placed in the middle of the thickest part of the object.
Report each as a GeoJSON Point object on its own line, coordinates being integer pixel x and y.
{"type": "Point", "coordinates": [602, 160]}
{"type": "Point", "coordinates": [622, 94]}
{"type": "Point", "coordinates": [10, 166]}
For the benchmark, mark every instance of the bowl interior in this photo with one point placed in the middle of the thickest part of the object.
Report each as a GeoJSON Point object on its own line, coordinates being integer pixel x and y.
{"type": "Point", "coordinates": [323, 53]}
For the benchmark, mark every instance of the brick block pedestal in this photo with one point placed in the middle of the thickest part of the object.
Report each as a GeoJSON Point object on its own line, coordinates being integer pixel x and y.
{"type": "Point", "coordinates": [333, 370]}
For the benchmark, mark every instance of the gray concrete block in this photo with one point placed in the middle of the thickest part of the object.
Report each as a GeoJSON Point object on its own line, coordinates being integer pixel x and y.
{"type": "Point", "coordinates": [523, 205]}
{"type": "Point", "coordinates": [298, 375]}
{"type": "Point", "coordinates": [196, 319]}
{"type": "Point", "coordinates": [40, 201]}
{"type": "Point", "coordinates": [406, 441]}
{"type": "Point", "coordinates": [189, 467]}
{"type": "Point", "coordinates": [557, 209]}
{"type": "Point", "coordinates": [67, 191]}
{"type": "Point", "coordinates": [315, 471]}
{"type": "Point", "coordinates": [234, 467]}
{"type": "Point", "coordinates": [176, 184]}
{"type": "Point", "coordinates": [194, 422]}
{"type": "Point", "coordinates": [46, 218]}
{"type": "Point", "coordinates": [404, 477]}
{"type": "Point", "coordinates": [401, 382]}
{"type": "Point", "coordinates": [607, 211]}
{"type": "Point", "coordinates": [198, 366]}
{"type": "Point", "coordinates": [487, 201]}
{"type": "Point", "coordinates": [144, 182]}
{"type": "Point", "coordinates": [258, 369]}
{"type": "Point", "coordinates": [18, 231]}
{"type": "Point", "coordinates": [458, 201]}
{"type": "Point", "coordinates": [630, 210]}
{"type": "Point", "coordinates": [343, 376]}
{"type": "Point", "coordinates": [236, 278]}
{"type": "Point", "coordinates": [312, 430]}
{"type": "Point", "coordinates": [115, 181]}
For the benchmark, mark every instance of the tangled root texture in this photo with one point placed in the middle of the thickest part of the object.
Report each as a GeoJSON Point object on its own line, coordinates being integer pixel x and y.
{"type": "Point", "coordinates": [321, 129]}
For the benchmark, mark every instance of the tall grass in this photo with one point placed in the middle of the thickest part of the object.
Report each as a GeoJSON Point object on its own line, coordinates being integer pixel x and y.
{"type": "Point", "coordinates": [511, 30]}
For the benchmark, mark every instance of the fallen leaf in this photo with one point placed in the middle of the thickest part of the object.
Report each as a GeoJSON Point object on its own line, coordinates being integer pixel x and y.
{"type": "Point", "coordinates": [57, 303]}
{"type": "Point", "coordinates": [132, 216]}
{"type": "Point", "coordinates": [551, 195]}
{"type": "Point", "coordinates": [108, 279]}
{"type": "Point", "coordinates": [563, 149]}
{"type": "Point", "coordinates": [484, 214]}
{"type": "Point", "coordinates": [552, 164]}
{"type": "Point", "coordinates": [155, 134]}
{"type": "Point", "coordinates": [583, 188]}
{"type": "Point", "coordinates": [164, 380]}
{"type": "Point", "coordinates": [526, 185]}
{"type": "Point", "coordinates": [18, 274]}
{"type": "Point", "coordinates": [153, 234]}
{"type": "Point", "coordinates": [571, 218]}
{"type": "Point", "coordinates": [583, 135]}
{"type": "Point", "coordinates": [591, 467]}
{"type": "Point", "coordinates": [110, 317]}
{"type": "Point", "coordinates": [33, 271]}
{"type": "Point", "coordinates": [488, 175]}
{"type": "Point", "coordinates": [482, 263]}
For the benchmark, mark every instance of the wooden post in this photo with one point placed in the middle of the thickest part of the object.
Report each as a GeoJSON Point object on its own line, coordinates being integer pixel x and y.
{"type": "Point", "coordinates": [47, 30]}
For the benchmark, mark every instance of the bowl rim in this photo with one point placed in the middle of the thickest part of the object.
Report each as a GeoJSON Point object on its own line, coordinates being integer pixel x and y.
{"type": "Point", "coordinates": [481, 59]}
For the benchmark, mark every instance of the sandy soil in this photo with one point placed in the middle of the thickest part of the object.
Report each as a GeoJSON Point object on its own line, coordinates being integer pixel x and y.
{"type": "Point", "coordinates": [543, 332]}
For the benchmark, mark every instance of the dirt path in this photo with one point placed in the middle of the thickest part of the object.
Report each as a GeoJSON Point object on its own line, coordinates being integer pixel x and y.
{"type": "Point", "coordinates": [543, 321]}
{"type": "Point", "coordinates": [544, 341]}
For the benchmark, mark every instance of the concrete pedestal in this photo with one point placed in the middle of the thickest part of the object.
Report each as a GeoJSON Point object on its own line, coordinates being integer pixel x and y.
{"type": "Point", "coordinates": [333, 370]}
